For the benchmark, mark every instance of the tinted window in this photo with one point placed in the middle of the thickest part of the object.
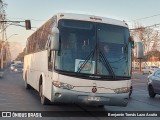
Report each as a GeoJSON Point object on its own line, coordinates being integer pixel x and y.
{"type": "Point", "coordinates": [103, 47]}
{"type": "Point", "coordinates": [157, 73]}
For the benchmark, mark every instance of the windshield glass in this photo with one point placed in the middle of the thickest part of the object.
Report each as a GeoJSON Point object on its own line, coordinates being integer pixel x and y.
{"type": "Point", "coordinates": [93, 48]}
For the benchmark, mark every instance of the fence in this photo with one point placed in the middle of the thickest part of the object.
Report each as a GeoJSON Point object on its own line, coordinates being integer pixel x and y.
{"type": "Point", "coordinates": [135, 65]}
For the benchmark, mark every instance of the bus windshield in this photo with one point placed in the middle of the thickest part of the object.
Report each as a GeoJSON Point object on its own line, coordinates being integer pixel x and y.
{"type": "Point", "coordinates": [93, 48]}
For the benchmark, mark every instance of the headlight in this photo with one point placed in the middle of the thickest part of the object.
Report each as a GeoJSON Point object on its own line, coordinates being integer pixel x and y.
{"type": "Point", "coordinates": [122, 90]}
{"type": "Point", "coordinates": [15, 70]}
{"type": "Point", "coordinates": [63, 85]}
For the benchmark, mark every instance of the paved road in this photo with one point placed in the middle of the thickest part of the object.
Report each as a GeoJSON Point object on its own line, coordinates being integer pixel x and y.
{"type": "Point", "coordinates": [14, 97]}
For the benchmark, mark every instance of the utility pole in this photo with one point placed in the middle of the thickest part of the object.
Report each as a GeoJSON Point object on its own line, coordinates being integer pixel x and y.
{"type": "Point", "coordinates": [2, 26]}
{"type": "Point", "coordinates": [2, 45]}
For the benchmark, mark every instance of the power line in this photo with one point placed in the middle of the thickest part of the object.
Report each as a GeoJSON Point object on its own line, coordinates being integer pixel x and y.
{"type": "Point", "coordinates": [25, 19]}
{"type": "Point", "coordinates": [154, 25]}
{"type": "Point", "coordinates": [144, 17]}
{"type": "Point", "coordinates": [22, 26]}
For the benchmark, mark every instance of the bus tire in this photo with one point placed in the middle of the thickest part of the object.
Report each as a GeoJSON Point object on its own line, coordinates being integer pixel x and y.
{"type": "Point", "coordinates": [130, 91]}
{"type": "Point", "coordinates": [44, 100]}
{"type": "Point", "coordinates": [27, 86]}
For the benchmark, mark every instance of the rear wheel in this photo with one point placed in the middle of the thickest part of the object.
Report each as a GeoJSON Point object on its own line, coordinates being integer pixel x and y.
{"type": "Point", "coordinates": [27, 86]}
{"type": "Point", "coordinates": [151, 92]}
{"type": "Point", "coordinates": [44, 100]}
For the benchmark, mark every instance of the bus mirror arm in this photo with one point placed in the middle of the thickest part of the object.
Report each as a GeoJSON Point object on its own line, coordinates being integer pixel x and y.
{"type": "Point", "coordinates": [55, 39]}
{"type": "Point", "coordinates": [131, 40]}
{"type": "Point", "coordinates": [139, 50]}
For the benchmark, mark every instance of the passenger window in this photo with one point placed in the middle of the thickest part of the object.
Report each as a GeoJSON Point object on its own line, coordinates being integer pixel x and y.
{"type": "Point", "coordinates": [157, 73]}
{"type": "Point", "coordinates": [50, 61]}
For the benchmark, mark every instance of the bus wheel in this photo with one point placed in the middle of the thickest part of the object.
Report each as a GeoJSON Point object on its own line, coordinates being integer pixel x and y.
{"type": "Point", "coordinates": [130, 92]}
{"type": "Point", "coordinates": [27, 86]}
{"type": "Point", "coordinates": [44, 100]}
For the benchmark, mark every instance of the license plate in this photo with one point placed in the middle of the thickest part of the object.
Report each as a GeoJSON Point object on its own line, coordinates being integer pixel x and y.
{"type": "Point", "coordinates": [92, 98]}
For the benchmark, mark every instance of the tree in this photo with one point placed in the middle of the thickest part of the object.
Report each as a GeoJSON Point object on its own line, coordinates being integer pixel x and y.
{"type": "Point", "coordinates": [148, 36]}
{"type": "Point", "coordinates": [152, 55]}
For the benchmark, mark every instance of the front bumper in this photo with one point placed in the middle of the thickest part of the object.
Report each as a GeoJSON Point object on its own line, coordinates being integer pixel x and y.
{"type": "Point", "coordinates": [69, 96]}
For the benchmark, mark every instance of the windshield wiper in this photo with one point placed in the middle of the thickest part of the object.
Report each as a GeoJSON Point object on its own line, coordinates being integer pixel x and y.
{"type": "Point", "coordinates": [104, 61]}
{"type": "Point", "coordinates": [106, 64]}
{"type": "Point", "coordinates": [86, 60]}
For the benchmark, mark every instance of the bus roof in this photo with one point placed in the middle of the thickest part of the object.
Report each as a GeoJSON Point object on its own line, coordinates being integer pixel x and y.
{"type": "Point", "coordinates": [93, 18]}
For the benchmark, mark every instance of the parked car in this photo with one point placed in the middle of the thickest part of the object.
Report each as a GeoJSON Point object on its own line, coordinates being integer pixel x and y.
{"type": "Point", "coordinates": [12, 67]}
{"type": "Point", "coordinates": [149, 69]}
{"type": "Point", "coordinates": [154, 83]}
{"type": "Point", "coordinates": [1, 73]}
{"type": "Point", "coordinates": [18, 67]}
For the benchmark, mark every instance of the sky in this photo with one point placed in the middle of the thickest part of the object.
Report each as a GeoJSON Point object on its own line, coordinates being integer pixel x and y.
{"type": "Point", "coordinates": [143, 12]}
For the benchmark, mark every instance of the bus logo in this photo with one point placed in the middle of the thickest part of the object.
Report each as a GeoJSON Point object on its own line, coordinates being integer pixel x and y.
{"type": "Point", "coordinates": [94, 89]}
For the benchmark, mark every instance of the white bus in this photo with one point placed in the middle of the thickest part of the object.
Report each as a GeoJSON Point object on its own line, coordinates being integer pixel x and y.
{"type": "Point", "coordinates": [82, 59]}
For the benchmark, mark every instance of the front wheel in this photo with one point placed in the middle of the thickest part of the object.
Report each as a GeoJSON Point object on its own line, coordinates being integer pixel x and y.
{"type": "Point", "coordinates": [151, 92]}
{"type": "Point", "coordinates": [44, 100]}
{"type": "Point", "coordinates": [130, 92]}
{"type": "Point", "coordinates": [27, 86]}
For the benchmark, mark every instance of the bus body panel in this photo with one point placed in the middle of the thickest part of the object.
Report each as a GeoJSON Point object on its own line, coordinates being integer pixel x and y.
{"type": "Point", "coordinates": [69, 96]}
{"type": "Point", "coordinates": [83, 90]}
{"type": "Point", "coordinates": [90, 18]}
{"type": "Point", "coordinates": [85, 85]}
{"type": "Point", "coordinates": [38, 69]}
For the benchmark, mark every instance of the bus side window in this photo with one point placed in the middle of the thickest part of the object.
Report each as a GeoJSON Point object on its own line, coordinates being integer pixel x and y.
{"type": "Point", "coordinates": [50, 61]}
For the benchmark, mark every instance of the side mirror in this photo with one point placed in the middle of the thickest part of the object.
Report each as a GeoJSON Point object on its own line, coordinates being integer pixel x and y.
{"type": "Point", "coordinates": [55, 39]}
{"type": "Point", "coordinates": [139, 50]}
{"type": "Point", "coordinates": [131, 40]}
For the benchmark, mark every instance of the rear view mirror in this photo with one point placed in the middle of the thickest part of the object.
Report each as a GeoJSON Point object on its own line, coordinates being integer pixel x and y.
{"type": "Point", "coordinates": [55, 39]}
{"type": "Point", "coordinates": [139, 50]}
